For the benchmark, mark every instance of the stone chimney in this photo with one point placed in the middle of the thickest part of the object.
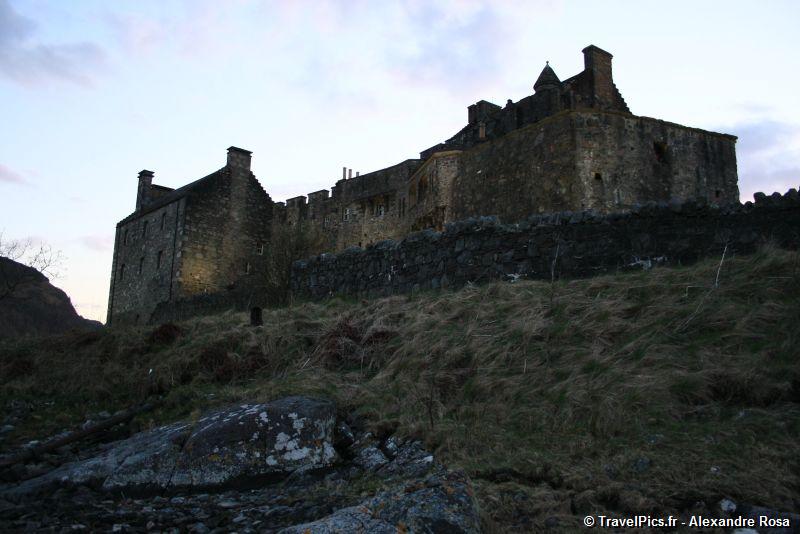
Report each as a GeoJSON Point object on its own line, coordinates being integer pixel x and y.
{"type": "Point", "coordinates": [597, 63]}
{"type": "Point", "coordinates": [239, 158]}
{"type": "Point", "coordinates": [143, 192]}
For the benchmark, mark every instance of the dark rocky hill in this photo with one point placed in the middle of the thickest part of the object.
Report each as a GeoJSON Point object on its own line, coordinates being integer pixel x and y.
{"type": "Point", "coordinates": [30, 305]}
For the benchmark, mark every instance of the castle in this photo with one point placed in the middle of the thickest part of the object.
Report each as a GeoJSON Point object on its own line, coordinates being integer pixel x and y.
{"type": "Point", "coordinates": [571, 145]}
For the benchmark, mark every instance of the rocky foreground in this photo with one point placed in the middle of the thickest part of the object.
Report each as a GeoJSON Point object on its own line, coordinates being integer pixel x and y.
{"type": "Point", "coordinates": [287, 466]}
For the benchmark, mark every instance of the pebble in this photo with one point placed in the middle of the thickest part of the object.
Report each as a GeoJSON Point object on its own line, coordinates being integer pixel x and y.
{"type": "Point", "coordinates": [727, 506]}
{"type": "Point", "coordinates": [642, 464]}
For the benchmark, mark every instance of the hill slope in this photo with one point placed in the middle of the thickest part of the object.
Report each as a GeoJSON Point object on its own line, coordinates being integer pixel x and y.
{"type": "Point", "coordinates": [659, 392]}
{"type": "Point", "coordinates": [30, 305]}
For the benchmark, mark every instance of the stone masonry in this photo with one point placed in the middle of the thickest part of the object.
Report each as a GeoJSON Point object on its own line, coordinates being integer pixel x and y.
{"type": "Point", "coordinates": [566, 244]}
{"type": "Point", "coordinates": [572, 145]}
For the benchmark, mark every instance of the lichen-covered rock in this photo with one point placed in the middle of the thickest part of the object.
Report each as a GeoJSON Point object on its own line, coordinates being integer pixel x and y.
{"type": "Point", "coordinates": [249, 468]}
{"type": "Point", "coordinates": [443, 502]}
{"type": "Point", "coordinates": [230, 444]}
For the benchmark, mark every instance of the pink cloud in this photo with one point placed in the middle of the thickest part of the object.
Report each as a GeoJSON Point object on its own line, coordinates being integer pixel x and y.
{"type": "Point", "coordinates": [9, 176]}
{"type": "Point", "coordinates": [98, 242]}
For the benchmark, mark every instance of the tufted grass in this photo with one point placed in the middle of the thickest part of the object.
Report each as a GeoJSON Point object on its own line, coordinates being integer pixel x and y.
{"type": "Point", "coordinates": [649, 392]}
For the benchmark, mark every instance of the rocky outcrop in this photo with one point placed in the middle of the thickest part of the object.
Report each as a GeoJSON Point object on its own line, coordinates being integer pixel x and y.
{"type": "Point", "coordinates": [246, 441]}
{"type": "Point", "coordinates": [30, 305]}
{"type": "Point", "coordinates": [284, 466]}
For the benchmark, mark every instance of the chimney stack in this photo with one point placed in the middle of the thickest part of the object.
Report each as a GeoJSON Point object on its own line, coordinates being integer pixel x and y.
{"type": "Point", "coordinates": [344, 173]}
{"type": "Point", "coordinates": [143, 192]}
{"type": "Point", "coordinates": [349, 173]}
{"type": "Point", "coordinates": [597, 62]}
{"type": "Point", "coordinates": [239, 158]}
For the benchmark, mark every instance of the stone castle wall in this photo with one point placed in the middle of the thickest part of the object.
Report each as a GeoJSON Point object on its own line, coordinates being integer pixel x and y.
{"type": "Point", "coordinates": [146, 262]}
{"type": "Point", "coordinates": [574, 160]}
{"type": "Point", "coordinates": [581, 243]}
{"type": "Point", "coordinates": [572, 145]}
{"type": "Point", "coordinates": [227, 223]}
{"type": "Point", "coordinates": [206, 238]}
{"type": "Point", "coordinates": [604, 161]}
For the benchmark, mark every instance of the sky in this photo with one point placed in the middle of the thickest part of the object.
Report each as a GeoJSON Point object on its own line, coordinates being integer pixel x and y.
{"type": "Point", "coordinates": [92, 92]}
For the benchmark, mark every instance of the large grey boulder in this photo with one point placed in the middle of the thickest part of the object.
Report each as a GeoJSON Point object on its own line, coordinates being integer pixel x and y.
{"type": "Point", "coordinates": [240, 442]}
{"type": "Point", "coordinates": [185, 476]}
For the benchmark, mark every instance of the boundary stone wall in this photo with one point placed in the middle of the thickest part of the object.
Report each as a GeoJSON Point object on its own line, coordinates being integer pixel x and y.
{"type": "Point", "coordinates": [566, 244]}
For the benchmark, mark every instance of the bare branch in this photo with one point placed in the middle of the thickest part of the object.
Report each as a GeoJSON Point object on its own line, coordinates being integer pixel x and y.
{"type": "Point", "coordinates": [41, 257]}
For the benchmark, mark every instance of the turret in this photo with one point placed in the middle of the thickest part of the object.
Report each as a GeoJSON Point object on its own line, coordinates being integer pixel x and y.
{"type": "Point", "coordinates": [547, 80]}
{"type": "Point", "coordinates": [548, 90]}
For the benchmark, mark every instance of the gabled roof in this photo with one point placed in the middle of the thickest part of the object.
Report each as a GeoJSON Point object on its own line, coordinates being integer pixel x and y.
{"type": "Point", "coordinates": [172, 196]}
{"type": "Point", "coordinates": [546, 78]}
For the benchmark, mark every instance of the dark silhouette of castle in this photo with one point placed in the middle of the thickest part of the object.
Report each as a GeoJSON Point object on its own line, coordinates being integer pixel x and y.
{"type": "Point", "coordinates": [571, 145]}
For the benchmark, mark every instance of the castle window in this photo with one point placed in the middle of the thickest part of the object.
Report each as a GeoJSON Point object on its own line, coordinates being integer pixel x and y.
{"type": "Point", "coordinates": [125, 238]}
{"type": "Point", "coordinates": [660, 149]}
{"type": "Point", "coordinates": [261, 249]}
{"type": "Point", "coordinates": [598, 177]}
{"type": "Point", "coordinates": [247, 268]}
{"type": "Point", "coordinates": [717, 193]}
{"type": "Point", "coordinates": [346, 214]}
{"type": "Point", "coordinates": [326, 221]}
{"type": "Point", "coordinates": [141, 264]}
{"type": "Point", "coordinates": [144, 229]}
{"type": "Point", "coordinates": [380, 210]}
{"type": "Point", "coordinates": [163, 220]}
{"type": "Point", "coordinates": [158, 258]}
{"type": "Point", "coordinates": [122, 272]}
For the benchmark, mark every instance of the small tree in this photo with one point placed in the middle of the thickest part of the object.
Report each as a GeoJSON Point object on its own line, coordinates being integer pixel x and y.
{"type": "Point", "coordinates": [288, 243]}
{"type": "Point", "coordinates": [41, 257]}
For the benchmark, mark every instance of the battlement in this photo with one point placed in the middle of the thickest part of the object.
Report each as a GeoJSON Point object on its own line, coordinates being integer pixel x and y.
{"type": "Point", "coordinates": [565, 244]}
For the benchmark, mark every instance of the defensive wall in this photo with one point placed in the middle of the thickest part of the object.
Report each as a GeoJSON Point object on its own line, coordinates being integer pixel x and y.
{"type": "Point", "coordinates": [565, 244]}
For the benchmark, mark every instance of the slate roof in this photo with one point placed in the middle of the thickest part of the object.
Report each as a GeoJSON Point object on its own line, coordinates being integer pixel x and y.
{"type": "Point", "coordinates": [547, 77]}
{"type": "Point", "coordinates": [171, 197]}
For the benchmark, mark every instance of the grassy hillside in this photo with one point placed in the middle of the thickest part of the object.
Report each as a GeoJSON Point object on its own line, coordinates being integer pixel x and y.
{"type": "Point", "coordinates": [644, 392]}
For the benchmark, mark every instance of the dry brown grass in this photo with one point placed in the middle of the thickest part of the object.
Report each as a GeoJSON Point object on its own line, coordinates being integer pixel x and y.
{"type": "Point", "coordinates": [549, 395]}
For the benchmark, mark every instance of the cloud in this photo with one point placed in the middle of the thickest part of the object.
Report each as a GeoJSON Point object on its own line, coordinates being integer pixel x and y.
{"type": "Point", "coordinates": [26, 61]}
{"type": "Point", "coordinates": [97, 242]}
{"type": "Point", "coordinates": [11, 177]}
{"type": "Point", "coordinates": [768, 182]}
{"type": "Point", "coordinates": [763, 135]}
{"type": "Point", "coordinates": [768, 155]}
